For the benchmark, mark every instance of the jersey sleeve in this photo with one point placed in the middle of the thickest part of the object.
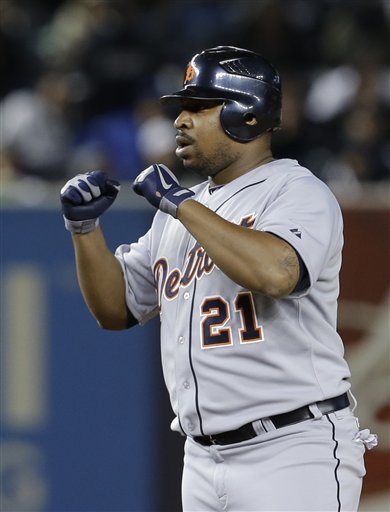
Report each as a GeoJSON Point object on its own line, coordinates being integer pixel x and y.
{"type": "Point", "coordinates": [305, 214]}
{"type": "Point", "coordinates": [141, 294]}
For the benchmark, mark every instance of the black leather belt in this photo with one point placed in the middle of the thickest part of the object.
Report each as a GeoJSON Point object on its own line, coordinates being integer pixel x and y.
{"type": "Point", "coordinates": [279, 420]}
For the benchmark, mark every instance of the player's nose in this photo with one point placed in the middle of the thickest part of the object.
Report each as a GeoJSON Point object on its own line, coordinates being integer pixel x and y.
{"type": "Point", "coordinates": [183, 120]}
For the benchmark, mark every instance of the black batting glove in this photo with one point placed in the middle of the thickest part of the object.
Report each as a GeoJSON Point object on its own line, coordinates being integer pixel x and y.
{"type": "Point", "coordinates": [84, 198]}
{"type": "Point", "coordinates": [161, 188]}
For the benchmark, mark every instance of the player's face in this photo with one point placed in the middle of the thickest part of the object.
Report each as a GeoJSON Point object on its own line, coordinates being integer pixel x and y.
{"type": "Point", "coordinates": [202, 144]}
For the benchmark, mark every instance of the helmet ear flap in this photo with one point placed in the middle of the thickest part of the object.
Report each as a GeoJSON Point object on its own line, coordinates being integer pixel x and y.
{"type": "Point", "coordinates": [236, 121]}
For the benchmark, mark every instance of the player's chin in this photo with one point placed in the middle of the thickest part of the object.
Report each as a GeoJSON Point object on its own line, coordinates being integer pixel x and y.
{"type": "Point", "coordinates": [191, 160]}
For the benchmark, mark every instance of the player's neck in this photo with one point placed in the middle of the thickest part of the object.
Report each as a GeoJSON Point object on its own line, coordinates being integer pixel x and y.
{"type": "Point", "coordinates": [242, 167]}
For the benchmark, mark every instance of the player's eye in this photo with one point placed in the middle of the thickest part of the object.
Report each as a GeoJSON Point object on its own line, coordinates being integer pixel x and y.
{"type": "Point", "coordinates": [199, 106]}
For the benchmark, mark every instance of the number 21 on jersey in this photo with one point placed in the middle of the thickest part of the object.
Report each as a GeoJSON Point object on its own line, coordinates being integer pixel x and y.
{"type": "Point", "coordinates": [216, 330]}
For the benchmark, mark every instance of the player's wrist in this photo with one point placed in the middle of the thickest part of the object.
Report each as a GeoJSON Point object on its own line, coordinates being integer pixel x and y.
{"type": "Point", "coordinates": [81, 227]}
{"type": "Point", "coordinates": [171, 201]}
{"type": "Point", "coordinates": [183, 207]}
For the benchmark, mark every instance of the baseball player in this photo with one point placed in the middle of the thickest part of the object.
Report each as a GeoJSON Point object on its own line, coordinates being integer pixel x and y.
{"type": "Point", "coordinates": [243, 271]}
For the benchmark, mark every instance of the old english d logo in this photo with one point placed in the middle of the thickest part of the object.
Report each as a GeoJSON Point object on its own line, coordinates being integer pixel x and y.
{"type": "Point", "coordinates": [190, 73]}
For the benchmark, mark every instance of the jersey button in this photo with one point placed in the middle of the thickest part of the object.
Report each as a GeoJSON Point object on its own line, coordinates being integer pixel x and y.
{"type": "Point", "coordinates": [186, 385]}
{"type": "Point", "coordinates": [191, 427]}
{"type": "Point", "coordinates": [181, 340]}
{"type": "Point", "coordinates": [186, 295]}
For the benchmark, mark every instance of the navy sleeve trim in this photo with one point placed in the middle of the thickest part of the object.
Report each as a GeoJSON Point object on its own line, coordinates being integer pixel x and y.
{"type": "Point", "coordinates": [304, 280]}
{"type": "Point", "coordinates": [131, 320]}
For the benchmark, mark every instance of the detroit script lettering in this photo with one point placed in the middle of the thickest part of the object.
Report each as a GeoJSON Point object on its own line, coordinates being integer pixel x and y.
{"type": "Point", "coordinates": [198, 263]}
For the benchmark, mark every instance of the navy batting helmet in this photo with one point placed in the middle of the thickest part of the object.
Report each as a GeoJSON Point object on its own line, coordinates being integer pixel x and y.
{"type": "Point", "coordinates": [247, 84]}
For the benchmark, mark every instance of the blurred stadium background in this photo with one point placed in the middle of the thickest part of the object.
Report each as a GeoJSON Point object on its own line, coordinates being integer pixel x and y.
{"type": "Point", "coordinates": [84, 413]}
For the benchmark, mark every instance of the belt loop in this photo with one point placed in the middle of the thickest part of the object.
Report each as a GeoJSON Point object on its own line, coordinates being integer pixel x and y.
{"type": "Point", "coordinates": [267, 424]}
{"type": "Point", "coordinates": [353, 400]}
{"type": "Point", "coordinates": [313, 408]}
{"type": "Point", "coordinates": [258, 427]}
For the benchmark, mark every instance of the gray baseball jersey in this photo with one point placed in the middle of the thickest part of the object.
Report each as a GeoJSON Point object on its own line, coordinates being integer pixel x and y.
{"type": "Point", "coordinates": [231, 356]}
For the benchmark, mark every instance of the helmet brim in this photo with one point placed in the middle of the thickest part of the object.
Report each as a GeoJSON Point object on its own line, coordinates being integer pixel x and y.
{"type": "Point", "coordinates": [196, 94]}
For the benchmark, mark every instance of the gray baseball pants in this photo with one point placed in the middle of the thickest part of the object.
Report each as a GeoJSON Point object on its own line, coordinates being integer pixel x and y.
{"type": "Point", "coordinates": [315, 465]}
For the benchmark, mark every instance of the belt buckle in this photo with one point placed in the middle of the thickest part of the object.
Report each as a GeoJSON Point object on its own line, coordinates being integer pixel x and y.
{"type": "Point", "coordinates": [212, 439]}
